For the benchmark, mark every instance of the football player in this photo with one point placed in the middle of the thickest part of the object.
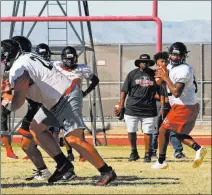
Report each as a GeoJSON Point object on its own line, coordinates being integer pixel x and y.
{"type": "Point", "coordinates": [182, 92]}
{"type": "Point", "coordinates": [72, 70]}
{"type": "Point", "coordinates": [28, 145]}
{"type": "Point", "coordinates": [61, 100]}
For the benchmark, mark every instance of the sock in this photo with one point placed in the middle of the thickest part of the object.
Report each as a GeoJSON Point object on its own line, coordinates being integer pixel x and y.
{"type": "Point", "coordinates": [42, 168]}
{"type": "Point", "coordinates": [134, 151]}
{"type": "Point", "coordinates": [162, 157]}
{"type": "Point", "coordinates": [6, 141]}
{"type": "Point", "coordinates": [196, 146]}
{"type": "Point", "coordinates": [60, 159]}
{"type": "Point", "coordinates": [69, 151]}
{"type": "Point", "coordinates": [133, 139]}
{"type": "Point", "coordinates": [104, 169]}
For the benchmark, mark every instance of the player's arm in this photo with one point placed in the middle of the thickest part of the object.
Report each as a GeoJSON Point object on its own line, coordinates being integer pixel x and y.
{"type": "Point", "coordinates": [176, 89]}
{"type": "Point", "coordinates": [20, 90]}
{"type": "Point", "coordinates": [94, 82]}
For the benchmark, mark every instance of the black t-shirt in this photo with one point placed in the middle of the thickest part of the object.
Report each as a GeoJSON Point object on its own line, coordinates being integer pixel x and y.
{"type": "Point", "coordinates": [141, 88]}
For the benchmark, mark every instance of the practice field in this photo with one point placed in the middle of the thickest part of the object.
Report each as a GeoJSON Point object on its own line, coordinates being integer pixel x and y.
{"type": "Point", "coordinates": [133, 177]}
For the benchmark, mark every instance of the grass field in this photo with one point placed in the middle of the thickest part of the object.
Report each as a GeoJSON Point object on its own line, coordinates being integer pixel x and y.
{"type": "Point", "coordinates": [133, 177]}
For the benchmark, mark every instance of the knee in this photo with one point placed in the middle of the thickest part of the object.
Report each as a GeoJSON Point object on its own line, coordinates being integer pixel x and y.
{"type": "Point", "coordinates": [72, 140]}
{"type": "Point", "coordinates": [26, 143]}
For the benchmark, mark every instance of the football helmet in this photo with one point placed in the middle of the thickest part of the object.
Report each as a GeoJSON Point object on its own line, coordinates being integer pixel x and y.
{"type": "Point", "coordinates": [25, 43]}
{"type": "Point", "coordinates": [69, 56]}
{"type": "Point", "coordinates": [10, 51]}
{"type": "Point", "coordinates": [178, 53]}
{"type": "Point", "coordinates": [44, 51]}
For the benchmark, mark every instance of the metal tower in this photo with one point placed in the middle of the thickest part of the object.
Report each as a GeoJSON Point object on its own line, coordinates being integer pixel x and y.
{"type": "Point", "coordinates": [82, 5]}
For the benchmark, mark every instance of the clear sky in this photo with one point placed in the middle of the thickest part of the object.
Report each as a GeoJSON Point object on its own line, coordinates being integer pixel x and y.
{"type": "Point", "coordinates": [168, 10]}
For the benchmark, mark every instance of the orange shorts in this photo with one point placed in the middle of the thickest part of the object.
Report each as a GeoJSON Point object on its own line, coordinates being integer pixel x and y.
{"type": "Point", "coordinates": [181, 118]}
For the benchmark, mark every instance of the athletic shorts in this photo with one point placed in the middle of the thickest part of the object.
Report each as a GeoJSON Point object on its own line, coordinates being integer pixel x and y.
{"type": "Point", "coordinates": [148, 125]}
{"type": "Point", "coordinates": [181, 118]}
{"type": "Point", "coordinates": [66, 114]}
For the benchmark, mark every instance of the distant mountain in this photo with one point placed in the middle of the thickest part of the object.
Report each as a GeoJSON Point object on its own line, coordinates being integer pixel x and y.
{"type": "Point", "coordinates": [120, 32]}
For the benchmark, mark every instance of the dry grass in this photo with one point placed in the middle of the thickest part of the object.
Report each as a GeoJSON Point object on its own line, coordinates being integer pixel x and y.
{"type": "Point", "coordinates": [133, 177]}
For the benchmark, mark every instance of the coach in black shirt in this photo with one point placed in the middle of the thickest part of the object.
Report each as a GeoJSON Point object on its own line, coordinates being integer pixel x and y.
{"type": "Point", "coordinates": [140, 87]}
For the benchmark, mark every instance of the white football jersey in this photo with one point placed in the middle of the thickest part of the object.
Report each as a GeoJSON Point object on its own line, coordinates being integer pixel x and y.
{"type": "Point", "coordinates": [82, 71]}
{"type": "Point", "coordinates": [49, 84]}
{"type": "Point", "coordinates": [183, 74]}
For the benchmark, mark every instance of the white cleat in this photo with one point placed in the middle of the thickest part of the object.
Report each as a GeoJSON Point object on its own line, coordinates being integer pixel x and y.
{"type": "Point", "coordinates": [157, 165]}
{"type": "Point", "coordinates": [40, 175]}
{"type": "Point", "coordinates": [200, 154]}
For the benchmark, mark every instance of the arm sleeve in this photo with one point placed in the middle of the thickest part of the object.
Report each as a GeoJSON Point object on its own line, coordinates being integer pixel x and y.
{"type": "Point", "coordinates": [125, 87]}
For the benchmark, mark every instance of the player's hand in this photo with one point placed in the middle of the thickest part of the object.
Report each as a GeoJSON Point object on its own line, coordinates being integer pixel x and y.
{"type": "Point", "coordinates": [118, 110]}
{"type": "Point", "coordinates": [5, 86]}
{"type": "Point", "coordinates": [162, 112]}
{"type": "Point", "coordinates": [161, 73]}
{"type": "Point", "coordinates": [5, 102]}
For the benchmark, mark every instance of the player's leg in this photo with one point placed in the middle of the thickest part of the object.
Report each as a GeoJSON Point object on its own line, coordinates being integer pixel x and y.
{"type": "Point", "coordinates": [5, 137]}
{"type": "Point", "coordinates": [177, 145]}
{"type": "Point", "coordinates": [39, 129]}
{"type": "Point", "coordinates": [30, 148]}
{"type": "Point", "coordinates": [76, 140]}
{"type": "Point", "coordinates": [191, 113]}
{"type": "Point", "coordinates": [81, 158]}
{"type": "Point", "coordinates": [70, 117]}
{"type": "Point", "coordinates": [148, 126]}
{"type": "Point", "coordinates": [69, 150]}
{"type": "Point", "coordinates": [132, 127]}
{"type": "Point", "coordinates": [24, 128]}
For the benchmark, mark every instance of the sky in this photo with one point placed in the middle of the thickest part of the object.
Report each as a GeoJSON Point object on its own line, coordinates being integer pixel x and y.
{"type": "Point", "coordinates": [167, 10]}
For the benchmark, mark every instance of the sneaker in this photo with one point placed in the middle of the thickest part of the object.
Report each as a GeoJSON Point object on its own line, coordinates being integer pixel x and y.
{"type": "Point", "coordinates": [106, 178]}
{"type": "Point", "coordinates": [11, 155]}
{"type": "Point", "coordinates": [134, 156]}
{"type": "Point", "coordinates": [200, 154]}
{"type": "Point", "coordinates": [147, 158]}
{"type": "Point", "coordinates": [60, 172]}
{"type": "Point", "coordinates": [39, 175]}
{"type": "Point", "coordinates": [157, 165]}
{"type": "Point", "coordinates": [154, 155]}
{"type": "Point", "coordinates": [70, 157]}
{"type": "Point", "coordinates": [179, 155]}
{"type": "Point", "coordinates": [70, 175]}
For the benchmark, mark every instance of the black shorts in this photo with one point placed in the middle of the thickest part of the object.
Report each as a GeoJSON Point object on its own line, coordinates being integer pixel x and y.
{"type": "Point", "coordinates": [33, 107]}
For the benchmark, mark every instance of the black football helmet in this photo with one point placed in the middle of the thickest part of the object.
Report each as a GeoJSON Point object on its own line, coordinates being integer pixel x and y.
{"type": "Point", "coordinates": [69, 56]}
{"type": "Point", "coordinates": [25, 43]}
{"type": "Point", "coordinates": [44, 51]}
{"type": "Point", "coordinates": [179, 49]}
{"type": "Point", "coordinates": [10, 51]}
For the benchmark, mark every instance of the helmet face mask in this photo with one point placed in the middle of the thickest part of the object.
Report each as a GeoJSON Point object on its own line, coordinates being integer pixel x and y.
{"type": "Point", "coordinates": [10, 51]}
{"type": "Point", "coordinates": [69, 57]}
{"type": "Point", "coordinates": [43, 51]}
{"type": "Point", "coordinates": [177, 53]}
